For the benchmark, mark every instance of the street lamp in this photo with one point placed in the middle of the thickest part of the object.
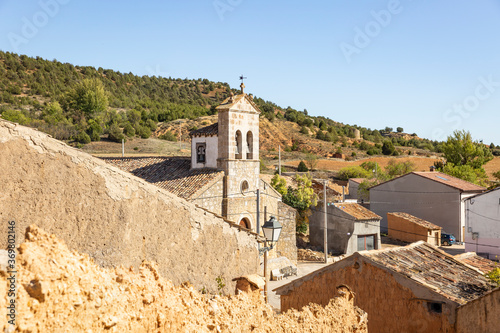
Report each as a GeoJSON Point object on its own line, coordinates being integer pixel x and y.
{"type": "Point", "coordinates": [272, 231]}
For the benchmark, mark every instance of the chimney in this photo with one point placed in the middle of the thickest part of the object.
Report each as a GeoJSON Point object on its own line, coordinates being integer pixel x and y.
{"type": "Point", "coordinates": [432, 168]}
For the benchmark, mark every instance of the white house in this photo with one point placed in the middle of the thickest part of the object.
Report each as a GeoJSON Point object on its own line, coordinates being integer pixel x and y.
{"type": "Point", "coordinates": [433, 196]}
{"type": "Point", "coordinates": [482, 224]}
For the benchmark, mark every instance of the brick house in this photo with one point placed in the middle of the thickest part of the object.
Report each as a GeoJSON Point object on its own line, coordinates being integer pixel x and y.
{"type": "Point", "coordinates": [223, 173]}
{"type": "Point", "coordinates": [350, 228]}
{"type": "Point", "coordinates": [433, 196]}
{"type": "Point", "coordinates": [409, 228]}
{"type": "Point", "coordinates": [416, 288]}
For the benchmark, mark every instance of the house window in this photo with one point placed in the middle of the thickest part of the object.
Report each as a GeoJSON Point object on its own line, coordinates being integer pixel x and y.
{"type": "Point", "coordinates": [249, 145]}
{"type": "Point", "coordinates": [366, 242]}
{"type": "Point", "coordinates": [239, 149]}
{"type": "Point", "coordinates": [200, 153]}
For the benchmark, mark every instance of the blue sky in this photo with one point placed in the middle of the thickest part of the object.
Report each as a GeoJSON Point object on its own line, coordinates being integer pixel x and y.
{"type": "Point", "coordinates": [428, 66]}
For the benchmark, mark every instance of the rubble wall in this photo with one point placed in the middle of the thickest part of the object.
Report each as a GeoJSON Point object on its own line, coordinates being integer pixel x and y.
{"type": "Point", "coordinates": [115, 217]}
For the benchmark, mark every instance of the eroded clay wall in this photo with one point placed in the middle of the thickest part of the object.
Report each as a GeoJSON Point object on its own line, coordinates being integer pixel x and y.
{"type": "Point", "coordinates": [391, 307]}
{"type": "Point", "coordinates": [115, 217]}
{"type": "Point", "coordinates": [480, 315]}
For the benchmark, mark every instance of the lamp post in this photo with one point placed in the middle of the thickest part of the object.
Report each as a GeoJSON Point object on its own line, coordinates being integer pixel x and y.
{"type": "Point", "coordinates": [272, 231]}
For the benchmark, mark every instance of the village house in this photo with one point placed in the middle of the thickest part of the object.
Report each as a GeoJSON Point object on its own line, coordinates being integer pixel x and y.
{"type": "Point", "coordinates": [223, 174]}
{"type": "Point", "coordinates": [409, 228]}
{"type": "Point", "coordinates": [433, 196]}
{"type": "Point", "coordinates": [482, 225]}
{"type": "Point", "coordinates": [350, 228]}
{"type": "Point", "coordinates": [416, 288]}
{"type": "Point", "coordinates": [353, 185]}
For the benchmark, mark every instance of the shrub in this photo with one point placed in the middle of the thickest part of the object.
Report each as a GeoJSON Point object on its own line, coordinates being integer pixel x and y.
{"type": "Point", "coordinates": [82, 137]}
{"type": "Point", "coordinates": [169, 136]}
{"type": "Point", "coordinates": [129, 130]}
{"type": "Point", "coordinates": [353, 172]}
{"type": "Point", "coordinates": [115, 133]}
{"type": "Point", "coordinates": [302, 167]}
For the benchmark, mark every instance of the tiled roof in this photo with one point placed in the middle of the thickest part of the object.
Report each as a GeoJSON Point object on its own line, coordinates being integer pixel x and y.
{"type": "Point", "coordinates": [457, 183]}
{"type": "Point", "coordinates": [231, 101]}
{"type": "Point", "coordinates": [434, 269]}
{"type": "Point", "coordinates": [209, 130]}
{"type": "Point", "coordinates": [416, 220]}
{"type": "Point", "coordinates": [483, 264]}
{"type": "Point", "coordinates": [359, 212]}
{"type": "Point", "coordinates": [173, 174]}
{"type": "Point", "coordinates": [357, 180]}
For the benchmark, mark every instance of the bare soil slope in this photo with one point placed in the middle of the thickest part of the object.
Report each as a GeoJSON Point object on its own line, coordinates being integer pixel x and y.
{"type": "Point", "coordinates": [64, 291]}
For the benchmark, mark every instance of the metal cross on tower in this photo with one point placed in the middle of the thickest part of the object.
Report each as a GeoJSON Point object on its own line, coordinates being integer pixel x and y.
{"type": "Point", "coordinates": [242, 78]}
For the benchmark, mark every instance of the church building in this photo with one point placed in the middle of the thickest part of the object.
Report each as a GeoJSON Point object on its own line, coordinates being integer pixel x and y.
{"type": "Point", "coordinates": [223, 173]}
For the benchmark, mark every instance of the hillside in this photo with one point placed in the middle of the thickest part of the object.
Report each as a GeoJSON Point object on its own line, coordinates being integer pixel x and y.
{"type": "Point", "coordinates": [81, 104]}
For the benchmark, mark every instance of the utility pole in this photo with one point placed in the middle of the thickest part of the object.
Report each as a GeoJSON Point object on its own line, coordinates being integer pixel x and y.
{"type": "Point", "coordinates": [279, 160]}
{"type": "Point", "coordinates": [325, 232]}
{"type": "Point", "coordinates": [123, 147]}
{"type": "Point", "coordinates": [258, 212]}
{"type": "Point", "coordinates": [180, 136]}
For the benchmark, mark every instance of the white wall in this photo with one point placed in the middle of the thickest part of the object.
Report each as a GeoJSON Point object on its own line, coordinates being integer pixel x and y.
{"type": "Point", "coordinates": [483, 217]}
{"type": "Point", "coordinates": [211, 151]}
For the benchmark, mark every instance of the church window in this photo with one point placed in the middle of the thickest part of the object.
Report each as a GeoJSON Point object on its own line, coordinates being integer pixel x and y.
{"type": "Point", "coordinates": [249, 145]}
{"type": "Point", "coordinates": [239, 150]}
{"type": "Point", "coordinates": [200, 153]}
{"type": "Point", "coordinates": [244, 187]}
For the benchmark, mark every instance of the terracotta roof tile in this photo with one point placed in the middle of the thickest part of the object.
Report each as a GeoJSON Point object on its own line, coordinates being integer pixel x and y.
{"type": "Point", "coordinates": [457, 183]}
{"type": "Point", "coordinates": [416, 220]}
{"type": "Point", "coordinates": [209, 130]}
{"type": "Point", "coordinates": [483, 264]}
{"type": "Point", "coordinates": [434, 269]}
{"type": "Point", "coordinates": [357, 211]}
{"type": "Point", "coordinates": [173, 174]}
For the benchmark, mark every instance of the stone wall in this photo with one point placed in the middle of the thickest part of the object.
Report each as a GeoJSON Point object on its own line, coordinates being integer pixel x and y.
{"type": "Point", "coordinates": [211, 199]}
{"type": "Point", "coordinates": [480, 315]}
{"type": "Point", "coordinates": [115, 217]}
{"type": "Point", "coordinates": [390, 303]}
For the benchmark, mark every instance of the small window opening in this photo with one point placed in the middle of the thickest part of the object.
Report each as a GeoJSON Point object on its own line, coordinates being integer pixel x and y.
{"type": "Point", "coordinates": [435, 307]}
{"type": "Point", "coordinates": [244, 187]}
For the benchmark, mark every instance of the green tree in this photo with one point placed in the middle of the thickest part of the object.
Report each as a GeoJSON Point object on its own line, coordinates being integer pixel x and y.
{"type": "Point", "coordinates": [311, 160]}
{"type": "Point", "coordinates": [115, 133]}
{"type": "Point", "coordinates": [388, 148]}
{"type": "Point", "coordinates": [353, 172]}
{"type": "Point", "coordinates": [466, 172]}
{"type": "Point", "coordinates": [364, 189]}
{"type": "Point", "coordinates": [399, 129]}
{"type": "Point", "coordinates": [279, 184]}
{"type": "Point", "coordinates": [129, 130]}
{"type": "Point", "coordinates": [460, 150]}
{"type": "Point", "coordinates": [302, 167]}
{"type": "Point", "coordinates": [53, 113]}
{"type": "Point", "coordinates": [301, 198]}
{"type": "Point", "coordinates": [396, 169]}
{"type": "Point", "coordinates": [88, 97]}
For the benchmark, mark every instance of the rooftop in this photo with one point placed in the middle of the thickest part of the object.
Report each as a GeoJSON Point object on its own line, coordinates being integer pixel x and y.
{"type": "Point", "coordinates": [422, 263]}
{"type": "Point", "coordinates": [357, 211]}
{"type": "Point", "coordinates": [483, 264]}
{"type": "Point", "coordinates": [232, 101]}
{"type": "Point", "coordinates": [209, 130]}
{"type": "Point", "coordinates": [457, 183]}
{"type": "Point", "coordinates": [416, 220]}
{"type": "Point", "coordinates": [173, 174]}
{"type": "Point", "coordinates": [433, 268]}
{"type": "Point", "coordinates": [357, 180]}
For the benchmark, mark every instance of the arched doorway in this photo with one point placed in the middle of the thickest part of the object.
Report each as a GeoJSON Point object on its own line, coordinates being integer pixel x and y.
{"type": "Point", "coordinates": [245, 223]}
